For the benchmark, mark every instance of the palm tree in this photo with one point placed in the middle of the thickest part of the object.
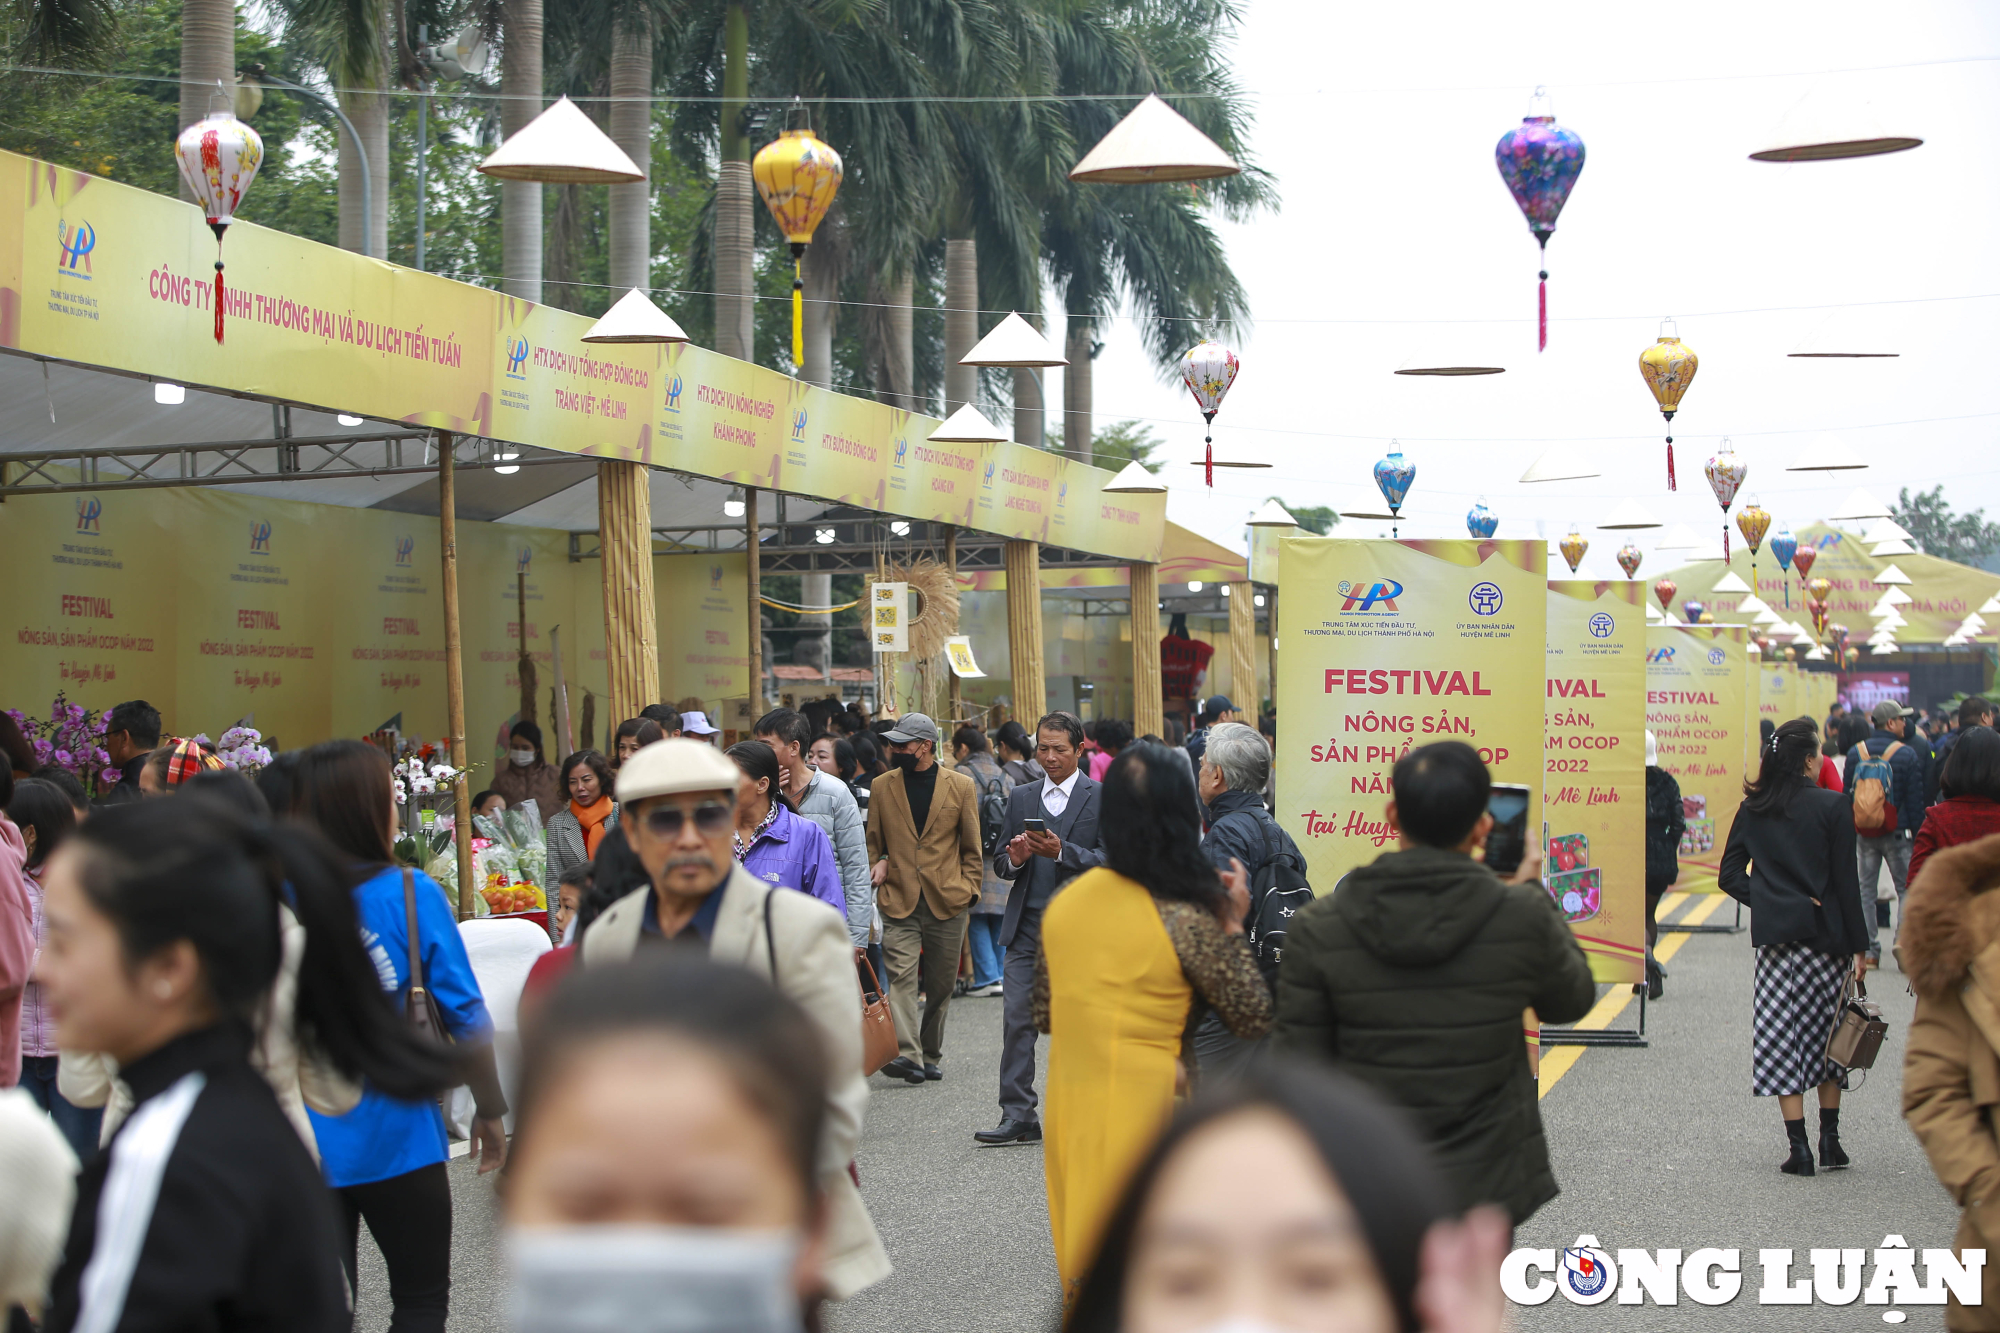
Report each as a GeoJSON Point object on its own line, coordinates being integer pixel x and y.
{"type": "Point", "coordinates": [520, 23]}
{"type": "Point", "coordinates": [208, 57]}
{"type": "Point", "coordinates": [631, 209]}
{"type": "Point", "coordinates": [350, 39]}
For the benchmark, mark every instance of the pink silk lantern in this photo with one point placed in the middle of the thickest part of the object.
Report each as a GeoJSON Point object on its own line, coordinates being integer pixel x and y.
{"type": "Point", "coordinates": [219, 156]}
{"type": "Point", "coordinates": [1208, 369]}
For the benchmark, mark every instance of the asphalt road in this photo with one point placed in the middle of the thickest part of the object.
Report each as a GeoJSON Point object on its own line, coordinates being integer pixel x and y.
{"type": "Point", "coordinates": [1653, 1148]}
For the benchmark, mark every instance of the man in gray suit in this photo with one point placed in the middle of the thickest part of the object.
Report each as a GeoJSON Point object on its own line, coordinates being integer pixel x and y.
{"type": "Point", "coordinates": [1040, 861]}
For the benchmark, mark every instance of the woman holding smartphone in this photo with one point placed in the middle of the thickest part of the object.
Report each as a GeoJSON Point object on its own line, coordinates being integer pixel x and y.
{"type": "Point", "coordinates": [1791, 859]}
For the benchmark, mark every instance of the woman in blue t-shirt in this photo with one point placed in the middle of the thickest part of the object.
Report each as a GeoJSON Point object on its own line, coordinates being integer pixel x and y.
{"type": "Point", "coordinates": [385, 1159]}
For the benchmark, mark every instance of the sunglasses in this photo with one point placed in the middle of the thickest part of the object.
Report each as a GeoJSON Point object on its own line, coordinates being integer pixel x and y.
{"type": "Point", "coordinates": [710, 818]}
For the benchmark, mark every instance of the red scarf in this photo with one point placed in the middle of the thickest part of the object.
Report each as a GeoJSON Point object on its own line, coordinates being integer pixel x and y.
{"type": "Point", "coordinates": [592, 818]}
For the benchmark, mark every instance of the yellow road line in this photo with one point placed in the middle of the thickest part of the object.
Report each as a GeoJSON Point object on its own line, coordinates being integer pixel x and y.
{"type": "Point", "coordinates": [1557, 1060]}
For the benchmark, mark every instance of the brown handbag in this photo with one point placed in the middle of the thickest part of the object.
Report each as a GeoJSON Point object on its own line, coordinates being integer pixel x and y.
{"type": "Point", "coordinates": [878, 1025]}
{"type": "Point", "coordinates": [1857, 1031]}
{"type": "Point", "coordinates": [420, 1010]}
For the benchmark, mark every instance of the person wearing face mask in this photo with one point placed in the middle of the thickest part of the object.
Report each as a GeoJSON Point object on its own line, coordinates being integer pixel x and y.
{"type": "Point", "coordinates": [528, 776]}
{"type": "Point", "coordinates": [1292, 1200]}
{"type": "Point", "coordinates": [677, 811]}
{"type": "Point", "coordinates": [667, 1154]}
{"type": "Point", "coordinates": [923, 854]}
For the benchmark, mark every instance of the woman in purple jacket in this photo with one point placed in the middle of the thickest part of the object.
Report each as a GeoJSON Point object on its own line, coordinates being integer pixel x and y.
{"type": "Point", "coordinates": [773, 841]}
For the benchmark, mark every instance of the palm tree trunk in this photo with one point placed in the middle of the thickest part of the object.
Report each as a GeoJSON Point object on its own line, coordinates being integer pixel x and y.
{"type": "Point", "coordinates": [1028, 424]}
{"type": "Point", "coordinates": [961, 321]}
{"type": "Point", "coordinates": [890, 326]}
{"type": "Point", "coordinates": [1076, 390]}
{"type": "Point", "coordinates": [826, 268]}
{"type": "Point", "coordinates": [632, 130]}
{"type": "Point", "coordinates": [735, 239]}
{"type": "Point", "coordinates": [208, 55]}
{"type": "Point", "coordinates": [369, 110]}
{"type": "Point", "coordinates": [521, 201]}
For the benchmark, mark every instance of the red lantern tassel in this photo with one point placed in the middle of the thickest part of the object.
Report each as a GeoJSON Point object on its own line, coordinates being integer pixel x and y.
{"type": "Point", "coordinates": [1725, 542]}
{"type": "Point", "coordinates": [1208, 466]}
{"type": "Point", "coordinates": [1542, 318]}
{"type": "Point", "coordinates": [218, 300]}
{"type": "Point", "coordinates": [1670, 463]}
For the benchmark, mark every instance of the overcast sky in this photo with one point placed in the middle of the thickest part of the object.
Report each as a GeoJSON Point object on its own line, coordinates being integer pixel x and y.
{"type": "Point", "coordinates": [1379, 123]}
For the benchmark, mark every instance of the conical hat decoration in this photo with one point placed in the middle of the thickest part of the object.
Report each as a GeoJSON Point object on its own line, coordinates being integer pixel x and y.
{"type": "Point", "coordinates": [562, 146]}
{"type": "Point", "coordinates": [1014, 342]}
{"type": "Point", "coordinates": [635, 319]}
{"type": "Point", "coordinates": [1153, 143]}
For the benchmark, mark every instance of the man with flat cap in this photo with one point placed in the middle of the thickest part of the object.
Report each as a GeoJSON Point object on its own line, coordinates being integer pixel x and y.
{"type": "Point", "coordinates": [677, 809]}
{"type": "Point", "coordinates": [924, 859]}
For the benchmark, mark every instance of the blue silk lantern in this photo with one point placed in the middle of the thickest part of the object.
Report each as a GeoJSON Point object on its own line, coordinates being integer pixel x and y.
{"type": "Point", "coordinates": [1540, 162]}
{"type": "Point", "coordinates": [1693, 611]}
{"type": "Point", "coordinates": [1785, 546]}
{"type": "Point", "coordinates": [1394, 475]}
{"type": "Point", "coordinates": [1480, 521]}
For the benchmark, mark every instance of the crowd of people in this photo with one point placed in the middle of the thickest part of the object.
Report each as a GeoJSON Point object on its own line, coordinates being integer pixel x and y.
{"type": "Point", "coordinates": [235, 1017]}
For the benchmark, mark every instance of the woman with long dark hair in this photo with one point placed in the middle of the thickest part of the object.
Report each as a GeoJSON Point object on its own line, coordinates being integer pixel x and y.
{"type": "Point", "coordinates": [1295, 1199]}
{"type": "Point", "coordinates": [46, 819]}
{"type": "Point", "coordinates": [164, 943]}
{"type": "Point", "coordinates": [667, 1150]}
{"type": "Point", "coordinates": [1791, 859]}
{"type": "Point", "coordinates": [385, 1158]}
{"type": "Point", "coordinates": [574, 832]}
{"type": "Point", "coordinates": [1970, 786]}
{"type": "Point", "coordinates": [773, 841]}
{"type": "Point", "coordinates": [1015, 749]}
{"type": "Point", "coordinates": [1133, 956]}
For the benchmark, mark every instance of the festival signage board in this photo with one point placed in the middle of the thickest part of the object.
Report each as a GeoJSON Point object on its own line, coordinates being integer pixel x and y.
{"type": "Point", "coordinates": [1697, 703]}
{"type": "Point", "coordinates": [1390, 645]}
{"type": "Point", "coordinates": [1780, 697]}
{"type": "Point", "coordinates": [1594, 771]}
{"type": "Point", "coordinates": [103, 274]}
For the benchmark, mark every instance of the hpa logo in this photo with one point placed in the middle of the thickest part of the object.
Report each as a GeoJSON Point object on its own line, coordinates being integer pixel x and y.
{"type": "Point", "coordinates": [406, 545]}
{"type": "Point", "coordinates": [799, 424]}
{"type": "Point", "coordinates": [988, 481]}
{"type": "Point", "coordinates": [1660, 656]}
{"type": "Point", "coordinates": [1062, 492]}
{"type": "Point", "coordinates": [715, 578]}
{"type": "Point", "coordinates": [522, 558]}
{"type": "Point", "coordinates": [1602, 625]}
{"type": "Point", "coordinates": [76, 242]}
{"type": "Point", "coordinates": [674, 394]}
{"type": "Point", "coordinates": [902, 449]}
{"type": "Point", "coordinates": [1378, 598]}
{"type": "Point", "coordinates": [260, 538]}
{"type": "Point", "coordinates": [1485, 599]}
{"type": "Point", "coordinates": [88, 511]}
{"type": "Point", "coordinates": [517, 358]}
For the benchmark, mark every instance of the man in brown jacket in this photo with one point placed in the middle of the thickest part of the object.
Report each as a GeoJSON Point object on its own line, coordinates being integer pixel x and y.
{"type": "Point", "coordinates": [924, 859]}
{"type": "Point", "coordinates": [1950, 948]}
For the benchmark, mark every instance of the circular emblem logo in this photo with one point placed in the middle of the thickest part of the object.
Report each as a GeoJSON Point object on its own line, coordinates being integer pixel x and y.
{"type": "Point", "coordinates": [1485, 599]}
{"type": "Point", "coordinates": [1601, 625]}
{"type": "Point", "coordinates": [1345, 587]}
{"type": "Point", "coordinates": [1715, 657]}
{"type": "Point", "coordinates": [1587, 1275]}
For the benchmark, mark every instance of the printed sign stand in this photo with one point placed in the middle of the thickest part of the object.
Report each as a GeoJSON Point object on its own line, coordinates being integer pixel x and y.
{"type": "Point", "coordinates": [1699, 697]}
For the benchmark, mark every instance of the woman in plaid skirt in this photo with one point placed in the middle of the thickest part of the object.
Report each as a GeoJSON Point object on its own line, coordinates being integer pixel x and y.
{"type": "Point", "coordinates": [1791, 860]}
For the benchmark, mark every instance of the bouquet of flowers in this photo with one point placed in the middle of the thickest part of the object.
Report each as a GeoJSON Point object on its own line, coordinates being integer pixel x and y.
{"type": "Point", "coordinates": [417, 777]}
{"type": "Point", "coordinates": [71, 737]}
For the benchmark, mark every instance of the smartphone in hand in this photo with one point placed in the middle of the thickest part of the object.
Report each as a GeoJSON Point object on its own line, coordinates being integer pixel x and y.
{"type": "Point", "coordinates": [1035, 824]}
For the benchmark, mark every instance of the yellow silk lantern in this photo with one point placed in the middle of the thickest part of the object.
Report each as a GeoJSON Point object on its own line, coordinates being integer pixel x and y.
{"type": "Point", "coordinates": [797, 175]}
{"type": "Point", "coordinates": [1668, 367]}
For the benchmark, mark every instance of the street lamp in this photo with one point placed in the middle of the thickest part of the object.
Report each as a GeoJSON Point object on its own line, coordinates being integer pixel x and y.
{"type": "Point", "coordinates": [465, 58]}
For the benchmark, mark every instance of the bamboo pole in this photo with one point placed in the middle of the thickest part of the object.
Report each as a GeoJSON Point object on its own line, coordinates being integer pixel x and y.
{"type": "Point", "coordinates": [625, 540]}
{"type": "Point", "coordinates": [1271, 637]}
{"type": "Point", "coordinates": [454, 668]}
{"type": "Point", "coordinates": [1024, 631]}
{"type": "Point", "coordinates": [957, 688]}
{"type": "Point", "coordinates": [1149, 705]}
{"type": "Point", "coordinates": [1243, 649]}
{"type": "Point", "coordinates": [753, 578]}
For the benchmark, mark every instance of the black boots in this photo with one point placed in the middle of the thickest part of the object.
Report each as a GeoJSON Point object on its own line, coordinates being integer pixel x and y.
{"type": "Point", "coordinates": [1831, 1156]}
{"type": "Point", "coordinates": [1800, 1163]}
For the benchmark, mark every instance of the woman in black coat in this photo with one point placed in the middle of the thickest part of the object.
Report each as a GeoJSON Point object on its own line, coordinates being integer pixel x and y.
{"type": "Point", "coordinates": [1791, 859]}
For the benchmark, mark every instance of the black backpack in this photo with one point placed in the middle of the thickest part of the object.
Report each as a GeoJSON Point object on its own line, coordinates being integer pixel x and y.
{"type": "Point", "coordinates": [992, 809]}
{"type": "Point", "coordinates": [1278, 891]}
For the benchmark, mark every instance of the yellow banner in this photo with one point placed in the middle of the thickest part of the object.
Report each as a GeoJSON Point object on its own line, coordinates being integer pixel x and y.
{"type": "Point", "coordinates": [1780, 696]}
{"type": "Point", "coordinates": [102, 274]}
{"type": "Point", "coordinates": [1594, 771]}
{"type": "Point", "coordinates": [1697, 703]}
{"type": "Point", "coordinates": [1394, 644]}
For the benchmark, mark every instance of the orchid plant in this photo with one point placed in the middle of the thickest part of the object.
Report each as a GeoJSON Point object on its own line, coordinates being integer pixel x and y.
{"type": "Point", "coordinates": [71, 737]}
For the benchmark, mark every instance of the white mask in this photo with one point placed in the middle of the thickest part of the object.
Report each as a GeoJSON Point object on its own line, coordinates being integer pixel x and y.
{"type": "Point", "coordinates": [521, 758]}
{"type": "Point", "coordinates": [652, 1279]}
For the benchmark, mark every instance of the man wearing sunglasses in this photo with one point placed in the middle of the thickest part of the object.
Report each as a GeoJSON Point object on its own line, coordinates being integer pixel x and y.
{"type": "Point", "coordinates": [677, 808]}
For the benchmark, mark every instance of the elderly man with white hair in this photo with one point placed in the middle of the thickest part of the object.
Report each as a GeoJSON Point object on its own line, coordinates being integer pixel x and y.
{"type": "Point", "coordinates": [677, 807]}
{"type": "Point", "coordinates": [1235, 768]}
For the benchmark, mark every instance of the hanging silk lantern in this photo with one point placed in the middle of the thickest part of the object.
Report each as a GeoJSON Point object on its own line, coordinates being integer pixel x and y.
{"type": "Point", "coordinates": [1572, 546]}
{"type": "Point", "coordinates": [1393, 475]}
{"type": "Point", "coordinates": [1706, 618]}
{"type": "Point", "coordinates": [797, 175]}
{"type": "Point", "coordinates": [1850, 655]}
{"type": "Point", "coordinates": [1208, 369]}
{"type": "Point", "coordinates": [1819, 588]}
{"type": "Point", "coordinates": [1694, 611]}
{"type": "Point", "coordinates": [1817, 609]}
{"type": "Point", "coordinates": [1540, 162]}
{"type": "Point", "coordinates": [1753, 522]}
{"type": "Point", "coordinates": [1784, 546]}
{"type": "Point", "coordinates": [219, 156]}
{"type": "Point", "coordinates": [1802, 561]}
{"type": "Point", "coordinates": [1480, 521]}
{"type": "Point", "coordinates": [1725, 472]}
{"type": "Point", "coordinates": [1668, 367]}
{"type": "Point", "coordinates": [1665, 590]}
{"type": "Point", "coordinates": [1629, 557]}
